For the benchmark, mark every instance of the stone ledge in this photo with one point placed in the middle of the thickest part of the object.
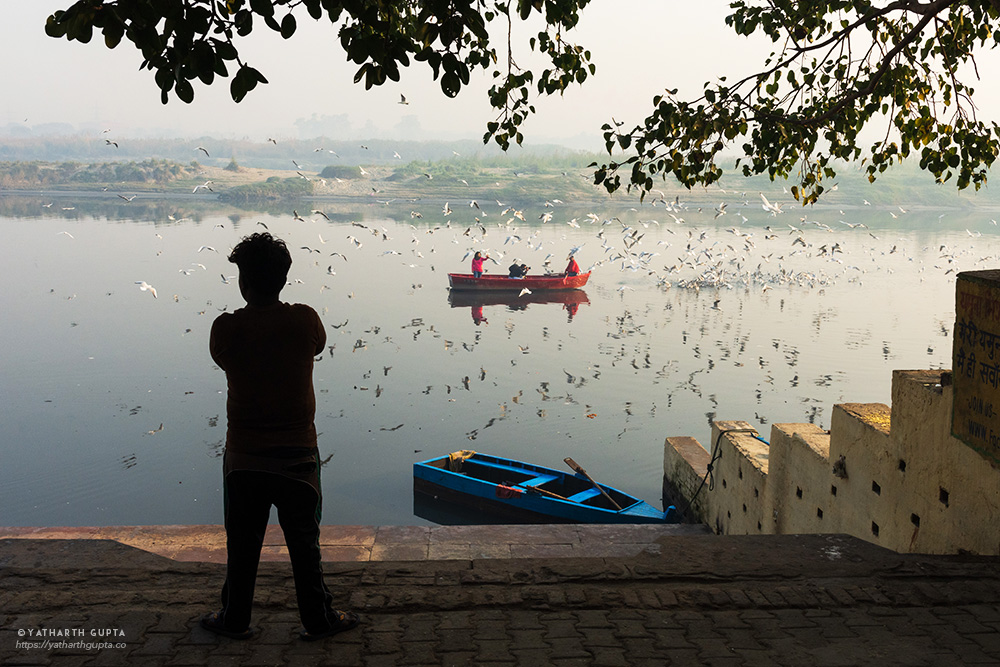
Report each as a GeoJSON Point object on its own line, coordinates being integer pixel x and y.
{"type": "Point", "coordinates": [878, 416]}
{"type": "Point", "coordinates": [357, 544]}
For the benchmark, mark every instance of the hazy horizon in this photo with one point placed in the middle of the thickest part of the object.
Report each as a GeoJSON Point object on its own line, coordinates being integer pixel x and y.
{"type": "Point", "coordinates": [635, 45]}
{"type": "Point", "coordinates": [60, 87]}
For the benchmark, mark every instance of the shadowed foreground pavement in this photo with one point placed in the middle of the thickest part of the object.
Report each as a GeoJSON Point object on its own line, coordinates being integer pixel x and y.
{"type": "Point", "coordinates": [675, 595]}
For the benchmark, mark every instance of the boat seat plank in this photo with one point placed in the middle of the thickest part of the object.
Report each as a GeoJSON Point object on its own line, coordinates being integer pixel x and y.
{"type": "Point", "coordinates": [501, 466]}
{"type": "Point", "coordinates": [584, 495]}
{"type": "Point", "coordinates": [538, 481]}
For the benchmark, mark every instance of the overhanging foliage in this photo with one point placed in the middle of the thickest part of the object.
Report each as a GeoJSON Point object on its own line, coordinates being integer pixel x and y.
{"type": "Point", "coordinates": [839, 66]}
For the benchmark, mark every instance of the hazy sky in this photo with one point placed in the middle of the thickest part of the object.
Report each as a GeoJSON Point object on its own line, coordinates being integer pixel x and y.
{"type": "Point", "coordinates": [640, 48]}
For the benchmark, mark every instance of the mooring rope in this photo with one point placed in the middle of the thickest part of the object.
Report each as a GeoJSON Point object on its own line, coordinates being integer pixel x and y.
{"type": "Point", "coordinates": [709, 478]}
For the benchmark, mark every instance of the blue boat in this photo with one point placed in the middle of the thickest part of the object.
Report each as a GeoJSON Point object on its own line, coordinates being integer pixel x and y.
{"type": "Point", "coordinates": [528, 493]}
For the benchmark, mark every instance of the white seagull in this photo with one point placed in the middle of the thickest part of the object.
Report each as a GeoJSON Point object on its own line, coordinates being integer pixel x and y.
{"type": "Point", "coordinates": [146, 287]}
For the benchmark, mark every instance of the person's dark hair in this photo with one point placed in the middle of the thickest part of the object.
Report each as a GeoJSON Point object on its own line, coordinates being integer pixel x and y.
{"type": "Point", "coordinates": [264, 261]}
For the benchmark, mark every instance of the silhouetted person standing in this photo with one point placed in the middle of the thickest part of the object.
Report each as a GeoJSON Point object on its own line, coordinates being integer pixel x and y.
{"type": "Point", "coordinates": [271, 457]}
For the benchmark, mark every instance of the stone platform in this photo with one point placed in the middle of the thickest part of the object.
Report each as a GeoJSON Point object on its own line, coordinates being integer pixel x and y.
{"type": "Point", "coordinates": [386, 543]}
{"type": "Point", "coordinates": [489, 596]}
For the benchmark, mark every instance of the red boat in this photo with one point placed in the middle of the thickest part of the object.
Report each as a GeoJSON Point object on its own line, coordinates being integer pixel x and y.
{"type": "Point", "coordinates": [499, 283]}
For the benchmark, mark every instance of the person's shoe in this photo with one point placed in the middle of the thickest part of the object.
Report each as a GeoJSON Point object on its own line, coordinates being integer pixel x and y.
{"type": "Point", "coordinates": [213, 623]}
{"type": "Point", "coordinates": [345, 620]}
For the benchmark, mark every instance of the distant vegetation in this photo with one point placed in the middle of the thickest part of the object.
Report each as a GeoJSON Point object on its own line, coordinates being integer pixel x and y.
{"type": "Point", "coordinates": [30, 175]}
{"type": "Point", "coordinates": [238, 171]}
{"type": "Point", "coordinates": [273, 188]}
{"type": "Point", "coordinates": [345, 173]}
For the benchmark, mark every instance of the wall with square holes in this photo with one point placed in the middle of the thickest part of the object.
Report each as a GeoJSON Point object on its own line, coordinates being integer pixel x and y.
{"type": "Point", "coordinates": [740, 472]}
{"type": "Point", "coordinates": [895, 477]}
{"type": "Point", "coordinates": [802, 492]}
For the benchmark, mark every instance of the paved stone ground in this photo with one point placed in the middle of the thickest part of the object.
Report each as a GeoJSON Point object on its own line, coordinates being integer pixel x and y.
{"type": "Point", "coordinates": [691, 600]}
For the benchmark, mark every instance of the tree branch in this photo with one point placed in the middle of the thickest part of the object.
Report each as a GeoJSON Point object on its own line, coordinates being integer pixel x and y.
{"type": "Point", "coordinates": [887, 63]}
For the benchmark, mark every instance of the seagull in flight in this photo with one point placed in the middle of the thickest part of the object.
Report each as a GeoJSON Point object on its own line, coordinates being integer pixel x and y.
{"type": "Point", "coordinates": [146, 287]}
{"type": "Point", "coordinates": [203, 150]}
{"type": "Point", "coordinates": [773, 209]}
{"type": "Point", "coordinates": [402, 99]}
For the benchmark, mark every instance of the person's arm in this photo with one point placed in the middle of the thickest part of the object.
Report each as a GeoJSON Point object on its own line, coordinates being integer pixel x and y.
{"type": "Point", "coordinates": [217, 341]}
{"type": "Point", "coordinates": [320, 334]}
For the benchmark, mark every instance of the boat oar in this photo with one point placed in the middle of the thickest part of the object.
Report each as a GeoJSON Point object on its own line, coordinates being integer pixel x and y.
{"type": "Point", "coordinates": [545, 492]}
{"type": "Point", "coordinates": [579, 469]}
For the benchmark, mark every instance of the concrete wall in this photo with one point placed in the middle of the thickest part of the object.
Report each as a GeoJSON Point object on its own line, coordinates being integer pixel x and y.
{"type": "Point", "coordinates": [894, 477]}
{"type": "Point", "coordinates": [685, 467]}
{"type": "Point", "coordinates": [801, 494]}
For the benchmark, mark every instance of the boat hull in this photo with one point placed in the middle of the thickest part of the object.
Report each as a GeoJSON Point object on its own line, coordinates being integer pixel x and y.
{"type": "Point", "coordinates": [492, 283]}
{"type": "Point", "coordinates": [524, 493]}
{"type": "Point", "coordinates": [477, 298]}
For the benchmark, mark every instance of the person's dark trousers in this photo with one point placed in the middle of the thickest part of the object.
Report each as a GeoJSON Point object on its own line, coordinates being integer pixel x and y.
{"type": "Point", "coordinates": [249, 495]}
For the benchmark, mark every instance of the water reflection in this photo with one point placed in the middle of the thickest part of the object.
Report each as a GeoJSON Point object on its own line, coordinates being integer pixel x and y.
{"type": "Point", "coordinates": [92, 365]}
{"type": "Point", "coordinates": [571, 300]}
{"type": "Point", "coordinates": [446, 513]}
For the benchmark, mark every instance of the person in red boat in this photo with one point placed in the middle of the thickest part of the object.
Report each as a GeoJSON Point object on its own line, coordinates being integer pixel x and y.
{"type": "Point", "coordinates": [518, 270]}
{"type": "Point", "coordinates": [572, 268]}
{"type": "Point", "coordinates": [477, 264]}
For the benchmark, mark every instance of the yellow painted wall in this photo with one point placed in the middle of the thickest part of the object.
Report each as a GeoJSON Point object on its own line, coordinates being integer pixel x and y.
{"type": "Point", "coordinates": [904, 483]}
{"type": "Point", "coordinates": [737, 499]}
{"type": "Point", "coordinates": [802, 501]}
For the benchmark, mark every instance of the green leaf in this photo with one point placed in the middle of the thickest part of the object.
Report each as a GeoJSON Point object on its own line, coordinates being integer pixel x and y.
{"type": "Point", "coordinates": [113, 34]}
{"type": "Point", "coordinates": [288, 25]}
{"type": "Point", "coordinates": [262, 7]}
{"type": "Point", "coordinates": [185, 91]}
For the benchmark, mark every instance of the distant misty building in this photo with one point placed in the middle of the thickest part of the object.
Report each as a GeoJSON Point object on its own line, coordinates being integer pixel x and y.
{"type": "Point", "coordinates": [334, 127]}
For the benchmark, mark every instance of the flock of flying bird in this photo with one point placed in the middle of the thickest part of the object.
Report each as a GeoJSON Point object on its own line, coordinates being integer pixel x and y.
{"type": "Point", "coordinates": [700, 261]}
{"type": "Point", "coordinates": [665, 242]}
{"type": "Point", "coordinates": [679, 247]}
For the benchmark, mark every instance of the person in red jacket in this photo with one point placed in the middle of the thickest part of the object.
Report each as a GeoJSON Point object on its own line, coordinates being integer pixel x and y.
{"type": "Point", "coordinates": [271, 458]}
{"type": "Point", "coordinates": [572, 268]}
{"type": "Point", "coordinates": [477, 264]}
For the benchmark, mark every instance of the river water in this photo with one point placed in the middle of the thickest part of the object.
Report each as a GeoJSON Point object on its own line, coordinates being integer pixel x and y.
{"type": "Point", "coordinates": [114, 413]}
